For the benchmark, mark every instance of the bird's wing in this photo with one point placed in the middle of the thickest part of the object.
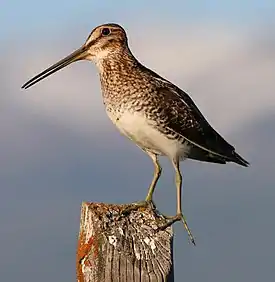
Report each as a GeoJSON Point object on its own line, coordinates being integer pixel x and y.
{"type": "Point", "coordinates": [184, 118]}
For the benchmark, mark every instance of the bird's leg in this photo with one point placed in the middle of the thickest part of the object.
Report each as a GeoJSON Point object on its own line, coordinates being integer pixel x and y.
{"type": "Point", "coordinates": [179, 216]}
{"type": "Point", "coordinates": [149, 198]}
{"type": "Point", "coordinates": [157, 173]}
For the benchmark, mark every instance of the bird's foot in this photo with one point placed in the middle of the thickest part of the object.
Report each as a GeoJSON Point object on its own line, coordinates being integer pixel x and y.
{"type": "Point", "coordinates": [135, 206]}
{"type": "Point", "coordinates": [179, 217]}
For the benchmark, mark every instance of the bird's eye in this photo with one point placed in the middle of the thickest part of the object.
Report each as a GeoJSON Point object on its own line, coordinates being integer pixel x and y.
{"type": "Point", "coordinates": [105, 31]}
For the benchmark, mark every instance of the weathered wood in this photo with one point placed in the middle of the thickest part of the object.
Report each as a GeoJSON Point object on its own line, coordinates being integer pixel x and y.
{"type": "Point", "coordinates": [115, 248]}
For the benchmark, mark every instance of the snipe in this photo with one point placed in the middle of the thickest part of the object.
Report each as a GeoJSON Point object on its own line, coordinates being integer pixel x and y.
{"type": "Point", "coordinates": [151, 111]}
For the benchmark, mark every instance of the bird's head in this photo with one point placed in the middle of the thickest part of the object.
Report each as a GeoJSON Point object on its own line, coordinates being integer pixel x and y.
{"type": "Point", "coordinates": [104, 41]}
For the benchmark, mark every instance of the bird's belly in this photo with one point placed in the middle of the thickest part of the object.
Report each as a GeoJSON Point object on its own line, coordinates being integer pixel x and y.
{"type": "Point", "coordinates": [146, 135]}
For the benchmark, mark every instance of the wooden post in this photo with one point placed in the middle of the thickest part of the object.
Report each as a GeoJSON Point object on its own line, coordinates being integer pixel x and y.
{"type": "Point", "coordinates": [123, 248]}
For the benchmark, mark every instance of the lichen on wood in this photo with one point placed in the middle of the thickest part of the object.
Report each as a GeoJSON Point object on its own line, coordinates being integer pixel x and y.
{"type": "Point", "coordinates": [113, 246]}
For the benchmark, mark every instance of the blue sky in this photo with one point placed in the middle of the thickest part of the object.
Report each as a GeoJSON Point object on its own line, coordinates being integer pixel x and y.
{"type": "Point", "coordinates": [22, 17]}
{"type": "Point", "coordinates": [57, 143]}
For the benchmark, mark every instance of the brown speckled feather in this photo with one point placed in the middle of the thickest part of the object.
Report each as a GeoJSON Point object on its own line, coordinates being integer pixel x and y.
{"type": "Point", "coordinates": [128, 83]}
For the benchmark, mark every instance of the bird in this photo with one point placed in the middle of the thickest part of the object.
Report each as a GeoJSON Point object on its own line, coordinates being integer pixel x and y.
{"type": "Point", "coordinates": [159, 117]}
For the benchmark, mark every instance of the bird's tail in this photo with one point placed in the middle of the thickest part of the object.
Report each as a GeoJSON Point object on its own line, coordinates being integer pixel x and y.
{"type": "Point", "coordinates": [236, 158]}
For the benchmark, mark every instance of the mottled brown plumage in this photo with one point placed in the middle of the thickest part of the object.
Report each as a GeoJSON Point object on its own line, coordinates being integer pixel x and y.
{"type": "Point", "coordinates": [151, 111]}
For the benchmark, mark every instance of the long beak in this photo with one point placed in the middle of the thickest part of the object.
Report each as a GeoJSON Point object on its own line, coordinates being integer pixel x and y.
{"type": "Point", "coordinates": [75, 56]}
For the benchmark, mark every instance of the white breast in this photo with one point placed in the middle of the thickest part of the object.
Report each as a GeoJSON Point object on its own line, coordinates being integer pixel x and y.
{"type": "Point", "coordinates": [146, 135]}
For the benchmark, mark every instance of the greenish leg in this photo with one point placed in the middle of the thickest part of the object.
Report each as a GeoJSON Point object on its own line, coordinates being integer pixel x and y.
{"type": "Point", "coordinates": [149, 198]}
{"type": "Point", "coordinates": [157, 173]}
{"type": "Point", "coordinates": [180, 215]}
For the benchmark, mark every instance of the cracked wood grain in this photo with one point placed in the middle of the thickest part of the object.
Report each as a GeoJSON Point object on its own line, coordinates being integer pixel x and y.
{"type": "Point", "coordinates": [117, 248]}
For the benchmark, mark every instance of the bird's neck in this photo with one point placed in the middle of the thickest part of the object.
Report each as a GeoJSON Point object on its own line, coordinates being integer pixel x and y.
{"type": "Point", "coordinates": [119, 62]}
{"type": "Point", "coordinates": [118, 75]}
